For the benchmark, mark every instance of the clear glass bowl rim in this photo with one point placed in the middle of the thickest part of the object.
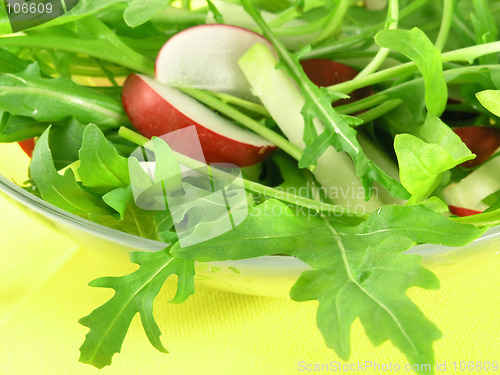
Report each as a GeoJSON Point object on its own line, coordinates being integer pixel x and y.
{"type": "Point", "coordinates": [143, 244]}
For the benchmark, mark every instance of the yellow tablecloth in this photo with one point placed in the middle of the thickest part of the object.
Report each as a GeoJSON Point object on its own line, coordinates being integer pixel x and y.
{"type": "Point", "coordinates": [214, 332]}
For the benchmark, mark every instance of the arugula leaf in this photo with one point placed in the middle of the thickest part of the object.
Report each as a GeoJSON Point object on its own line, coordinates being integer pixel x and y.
{"type": "Point", "coordinates": [369, 282]}
{"type": "Point", "coordinates": [296, 235]}
{"type": "Point", "coordinates": [139, 222]}
{"type": "Point", "coordinates": [65, 141]}
{"type": "Point", "coordinates": [141, 11]}
{"type": "Point", "coordinates": [83, 9]}
{"type": "Point", "coordinates": [218, 17]}
{"type": "Point", "coordinates": [167, 167]}
{"type": "Point", "coordinates": [11, 63]}
{"type": "Point", "coordinates": [421, 164]}
{"type": "Point", "coordinates": [57, 99]}
{"type": "Point", "coordinates": [337, 133]}
{"type": "Point", "coordinates": [19, 128]}
{"type": "Point", "coordinates": [129, 218]}
{"type": "Point", "coordinates": [415, 45]}
{"type": "Point", "coordinates": [134, 294]}
{"type": "Point", "coordinates": [165, 227]}
{"type": "Point", "coordinates": [363, 290]}
{"type": "Point", "coordinates": [61, 190]}
{"type": "Point", "coordinates": [485, 28]}
{"type": "Point", "coordinates": [435, 131]}
{"type": "Point", "coordinates": [92, 38]}
{"type": "Point", "coordinates": [294, 179]}
{"type": "Point", "coordinates": [490, 99]}
{"type": "Point", "coordinates": [100, 164]}
{"type": "Point", "coordinates": [119, 199]}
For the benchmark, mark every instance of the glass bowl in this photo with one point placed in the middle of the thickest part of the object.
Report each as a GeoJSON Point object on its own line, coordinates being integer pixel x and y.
{"type": "Point", "coordinates": [264, 276]}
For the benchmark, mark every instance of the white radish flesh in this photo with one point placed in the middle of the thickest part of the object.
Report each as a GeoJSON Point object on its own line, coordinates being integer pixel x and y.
{"type": "Point", "coordinates": [206, 57]}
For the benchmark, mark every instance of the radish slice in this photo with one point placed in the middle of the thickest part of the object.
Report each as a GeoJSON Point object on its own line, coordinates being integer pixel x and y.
{"type": "Point", "coordinates": [206, 57]}
{"type": "Point", "coordinates": [155, 109]}
{"type": "Point", "coordinates": [460, 211]}
{"type": "Point", "coordinates": [28, 146]}
{"type": "Point", "coordinates": [482, 141]}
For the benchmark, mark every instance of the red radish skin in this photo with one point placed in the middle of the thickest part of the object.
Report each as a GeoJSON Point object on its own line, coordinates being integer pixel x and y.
{"type": "Point", "coordinates": [155, 110]}
{"type": "Point", "coordinates": [28, 146]}
{"type": "Point", "coordinates": [460, 211]}
{"type": "Point", "coordinates": [323, 73]}
{"type": "Point", "coordinates": [482, 141]}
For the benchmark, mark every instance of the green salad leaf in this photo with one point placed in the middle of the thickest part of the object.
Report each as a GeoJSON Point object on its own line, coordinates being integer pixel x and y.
{"type": "Point", "coordinates": [61, 190]}
{"type": "Point", "coordinates": [420, 164]}
{"type": "Point", "coordinates": [19, 128]}
{"type": "Point", "coordinates": [423, 158]}
{"type": "Point", "coordinates": [60, 85]}
{"type": "Point", "coordinates": [485, 28]}
{"type": "Point", "coordinates": [141, 11]}
{"type": "Point", "coordinates": [490, 99]}
{"type": "Point", "coordinates": [9, 62]}
{"type": "Point", "coordinates": [417, 46]}
{"type": "Point", "coordinates": [28, 94]}
{"type": "Point", "coordinates": [134, 294]}
{"type": "Point", "coordinates": [338, 132]}
{"type": "Point", "coordinates": [349, 283]}
{"type": "Point", "coordinates": [65, 140]}
{"type": "Point", "coordinates": [119, 199]}
{"type": "Point", "coordinates": [100, 163]}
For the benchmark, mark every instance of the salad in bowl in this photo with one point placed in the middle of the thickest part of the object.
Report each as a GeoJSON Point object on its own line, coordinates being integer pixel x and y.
{"type": "Point", "coordinates": [352, 137]}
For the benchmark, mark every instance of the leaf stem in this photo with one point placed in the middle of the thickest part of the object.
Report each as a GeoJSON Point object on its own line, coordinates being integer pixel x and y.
{"type": "Point", "coordinates": [342, 44]}
{"type": "Point", "coordinates": [178, 16]}
{"type": "Point", "coordinates": [242, 103]}
{"type": "Point", "coordinates": [463, 54]}
{"type": "Point", "coordinates": [446, 22]}
{"type": "Point", "coordinates": [379, 111]}
{"type": "Point", "coordinates": [254, 187]}
{"type": "Point", "coordinates": [391, 24]}
{"type": "Point", "coordinates": [381, 96]}
{"type": "Point", "coordinates": [101, 49]}
{"type": "Point", "coordinates": [361, 105]}
{"type": "Point", "coordinates": [333, 22]}
{"type": "Point", "coordinates": [489, 218]}
{"type": "Point", "coordinates": [244, 120]}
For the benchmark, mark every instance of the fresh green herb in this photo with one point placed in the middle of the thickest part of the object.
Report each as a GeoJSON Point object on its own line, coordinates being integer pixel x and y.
{"type": "Point", "coordinates": [415, 45]}
{"type": "Point", "coordinates": [337, 133]}
{"type": "Point", "coordinates": [490, 99]}
{"type": "Point", "coordinates": [100, 164]}
{"type": "Point", "coordinates": [141, 11]}
{"type": "Point", "coordinates": [55, 99]}
{"type": "Point", "coordinates": [61, 190]}
{"type": "Point", "coordinates": [350, 283]}
{"type": "Point", "coordinates": [60, 83]}
{"type": "Point", "coordinates": [134, 294]}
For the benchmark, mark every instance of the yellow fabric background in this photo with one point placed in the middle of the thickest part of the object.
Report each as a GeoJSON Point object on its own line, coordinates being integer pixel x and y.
{"type": "Point", "coordinates": [213, 332]}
